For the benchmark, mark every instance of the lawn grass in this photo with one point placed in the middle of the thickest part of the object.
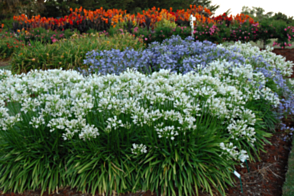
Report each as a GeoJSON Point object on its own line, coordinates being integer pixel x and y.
{"type": "Point", "coordinates": [288, 187]}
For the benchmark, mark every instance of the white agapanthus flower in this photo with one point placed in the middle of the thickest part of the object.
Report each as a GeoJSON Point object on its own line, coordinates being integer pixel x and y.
{"type": "Point", "coordinates": [139, 149]}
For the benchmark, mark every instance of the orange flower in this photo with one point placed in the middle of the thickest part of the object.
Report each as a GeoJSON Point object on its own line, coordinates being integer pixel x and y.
{"type": "Point", "coordinates": [2, 25]}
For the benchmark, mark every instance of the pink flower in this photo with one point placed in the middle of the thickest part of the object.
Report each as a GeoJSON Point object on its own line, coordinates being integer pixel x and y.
{"type": "Point", "coordinates": [136, 29]}
{"type": "Point", "coordinates": [276, 44]}
{"type": "Point", "coordinates": [146, 39]}
{"type": "Point", "coordinates": [54, 40]}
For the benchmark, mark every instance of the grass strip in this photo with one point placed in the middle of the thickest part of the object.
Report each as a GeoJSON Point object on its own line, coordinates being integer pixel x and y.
{"type": "Point", "coordinates": [288, 188]}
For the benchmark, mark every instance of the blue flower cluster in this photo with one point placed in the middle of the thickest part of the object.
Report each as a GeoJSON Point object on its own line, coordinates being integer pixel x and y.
{"type": "Point", "coordinates": [175, 54]}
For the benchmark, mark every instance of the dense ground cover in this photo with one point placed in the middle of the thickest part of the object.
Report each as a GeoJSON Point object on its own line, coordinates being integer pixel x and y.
{"type": "Point", "coordinates": [149, 128]}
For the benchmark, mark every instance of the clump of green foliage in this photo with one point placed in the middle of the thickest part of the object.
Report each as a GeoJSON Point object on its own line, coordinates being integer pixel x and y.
{"type": "Point", "coordinates": [9, 45]}
{"type": "Point", "coordinates": [69, 53]}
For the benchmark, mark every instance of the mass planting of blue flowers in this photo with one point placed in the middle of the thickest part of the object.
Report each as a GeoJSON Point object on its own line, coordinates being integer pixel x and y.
{"type": "Point", "coordinates": [175, 118]}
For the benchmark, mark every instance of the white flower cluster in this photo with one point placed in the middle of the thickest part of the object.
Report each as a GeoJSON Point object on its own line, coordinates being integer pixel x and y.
{"type": "Point", "coordinates": [7, 121]}
{"type": "Point", "coordinates": [168, 132]}
{"type": "Point", "coordinates": [230, 149]}
{"type": "Point", "coordinates": [275, 61]}
{"type": "Point", "coordinates": [291, 81]}
{"type": "Point", "coordinates": [138, 149]}
{"type": "Point", "coordinates": [243, 80]}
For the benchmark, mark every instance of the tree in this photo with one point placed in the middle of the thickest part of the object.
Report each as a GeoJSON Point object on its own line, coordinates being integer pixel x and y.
{"type": "Point", "coordinates": [257, 13]}
{"type": "Point", "coordinates": [281, 16]}
{"type": "Point", "coordinates": [58, 8]}
{"type": "Point", "coordinates": [16, 7]}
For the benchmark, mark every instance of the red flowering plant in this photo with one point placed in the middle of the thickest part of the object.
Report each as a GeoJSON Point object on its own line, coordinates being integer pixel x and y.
{"type": "Point", "coordinates": [80, 19]}
{"type": "Point", "coordinates": [2, 27]}
{"type": "Point", "coordinates": [223, 19]}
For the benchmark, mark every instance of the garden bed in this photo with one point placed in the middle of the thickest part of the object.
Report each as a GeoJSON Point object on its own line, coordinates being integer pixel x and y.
{"type": "Point", "coordinates": [270, 168]}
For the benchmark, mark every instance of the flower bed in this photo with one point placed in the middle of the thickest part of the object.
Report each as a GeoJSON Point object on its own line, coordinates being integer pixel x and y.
{"type": "Point", "coordinates": [172, 131]}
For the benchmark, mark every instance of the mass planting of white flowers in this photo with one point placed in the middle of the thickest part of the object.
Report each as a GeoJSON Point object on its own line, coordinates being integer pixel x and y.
{"type": "Point", "coordinates": [275, 61]}
{"type": "Point", "coordinates": [169, 104]}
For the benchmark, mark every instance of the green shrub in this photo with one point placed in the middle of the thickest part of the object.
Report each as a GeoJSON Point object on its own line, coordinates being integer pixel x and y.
{"type": "Point", "coordinates": [45, 36]}
{"type": "Point", "coordinates": [161, 33]}
{"type": "Point", "coordinates": [9, 45]}
{"type": "Point", "coordinates": [68, 53]}
{"type": "Point", "coordinates": [7, 23]}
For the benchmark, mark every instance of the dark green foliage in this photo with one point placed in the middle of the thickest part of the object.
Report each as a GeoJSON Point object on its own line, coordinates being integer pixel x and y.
{"type": "Point", "coordinates": [138, 6]}
{"type": "Point", "coordinates": [256, 12]}
{"type": "Point", "coordinates": [283, 17]}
